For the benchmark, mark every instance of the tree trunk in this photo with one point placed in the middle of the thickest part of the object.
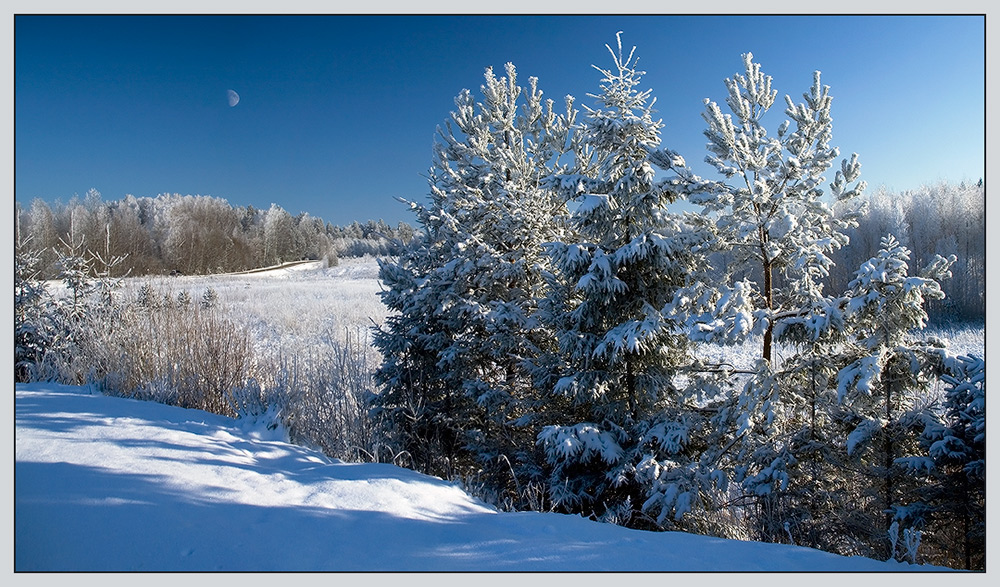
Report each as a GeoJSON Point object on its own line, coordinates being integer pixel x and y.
{"type": "Point", "coordinates": [888, 459]}
{"type": "Point", "coordinates": [769, 304]}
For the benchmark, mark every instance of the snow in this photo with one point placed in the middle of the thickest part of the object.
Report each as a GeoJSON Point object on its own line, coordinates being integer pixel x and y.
{"type": "Point", "coordinates": [112, 484]}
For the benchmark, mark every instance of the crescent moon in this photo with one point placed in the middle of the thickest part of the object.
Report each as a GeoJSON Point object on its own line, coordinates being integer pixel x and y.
{"type": "Point", "coordinates": [233, 97]}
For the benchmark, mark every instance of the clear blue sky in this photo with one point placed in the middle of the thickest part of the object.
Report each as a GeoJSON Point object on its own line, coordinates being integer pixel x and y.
{"type": "Point", "coordinates": [337, 114]}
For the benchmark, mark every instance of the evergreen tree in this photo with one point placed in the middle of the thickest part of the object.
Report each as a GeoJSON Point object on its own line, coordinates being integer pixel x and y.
{"type": "Point", "coordinates": [774, 228]}
{"type": "Point", "coordinates": [454, 369]}
{"type": "Point", "coordinates": [75, 271]}
{"type": "Point", "coordinates": [774, 216]}
{"type": "Point", "coordinates": [883, 389]}
{"type": "Point", "coordinates": [613, 398]}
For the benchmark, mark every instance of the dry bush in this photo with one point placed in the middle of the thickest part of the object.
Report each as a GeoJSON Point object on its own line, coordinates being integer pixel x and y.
{"type": "Point", "coordinates": [177, 353]}
{"type": "Point", "coordinates": [328, 386]}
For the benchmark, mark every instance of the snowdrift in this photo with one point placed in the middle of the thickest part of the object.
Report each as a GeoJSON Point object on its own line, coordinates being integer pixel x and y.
{"type": "Point", "coordinates": [111, 484]}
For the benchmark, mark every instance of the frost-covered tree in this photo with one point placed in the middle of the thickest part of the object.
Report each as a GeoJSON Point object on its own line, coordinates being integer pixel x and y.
{"type": "Point", "coordinates": [75, 272]}
{"type": "Point", "coordinates": [955, 467]}
{"type": "Point", "coordinates": [279, 237]}
{"type": "Point", "coordinates": [773, 230]}
{"type": "Point", "coordinates": [773, 216]}
{"type": "Point", "coordinates": [209, 299]}
{"type": "Point", "coordinates": [464, 290]}
{"type": "Point", "coordinates": [938, 219]}
{"type": "Point", "coordinates": [883, 387]}
{"type": "Point", "coordinates": [41, 236]}
{"type": "Point", "coordinates": [613, 398]}
{"type": "Point", "coordinates": [789, 465]}
{"type": "Point", "coordinates": [32, 323]}
{"type": "Point", "coordinates": [200, 235]}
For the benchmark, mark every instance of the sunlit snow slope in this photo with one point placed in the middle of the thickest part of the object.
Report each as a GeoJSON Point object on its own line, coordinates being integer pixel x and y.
{"type": "Point", "coordinates": [109, 484]}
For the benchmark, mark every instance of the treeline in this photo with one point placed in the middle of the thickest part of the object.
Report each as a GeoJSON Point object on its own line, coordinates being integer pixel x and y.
{"type": "Point", "coordinates": [203, 234]}
{"type": "Point", "coordinates": [557, 330]}
{"type": "Point", "coordinates": [941, 219]}
{"type": "Point", "coordinates": [192, 234]}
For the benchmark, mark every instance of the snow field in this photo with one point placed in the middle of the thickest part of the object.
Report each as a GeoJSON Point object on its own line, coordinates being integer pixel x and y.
{"type": "Point", "coordinates": [292, 308]}
{"type": "Point", "coordinates": [309, 304]}
{"type": "Point", "coordinates": [112, 484]}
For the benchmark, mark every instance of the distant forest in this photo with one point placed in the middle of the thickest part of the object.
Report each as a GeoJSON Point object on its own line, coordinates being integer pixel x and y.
{"type": "Point", "coordinates": [940, 219]}
{"type": "Point", "coordinates": [203, 234]}
{"type": "Point", "coordinates": [192, 235]}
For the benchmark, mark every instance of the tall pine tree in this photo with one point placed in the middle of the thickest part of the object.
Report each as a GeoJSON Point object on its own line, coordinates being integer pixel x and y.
{"type": "Point", "coordinates": [773, 216]}
{"type": "Point", "coordinates": [454, 354]}
{"type": "Point", "coordinates": [612, 387]}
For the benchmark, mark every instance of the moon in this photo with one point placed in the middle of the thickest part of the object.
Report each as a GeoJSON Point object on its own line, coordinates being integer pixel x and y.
{"type": "Point", "coordinates": [233, 97]}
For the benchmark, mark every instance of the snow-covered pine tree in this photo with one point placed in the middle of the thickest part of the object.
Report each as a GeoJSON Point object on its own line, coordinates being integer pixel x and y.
{"type": "Point", "coordinates": [75, 271]}
{"type": "Point", "coordinates": [773, 216]}
{"type": "Point", "coordinates": [32, 324]}
{"type": "Point", "coordinates": [956, 471]}
{"type": "Point", "coordinates": [613, 403]}
{"type": "Point", "coordinates": [883, 390]}
{"type": "Point", "coordinates": [464, 291]}
{"type": "Point", "coordinates": [775, 229]}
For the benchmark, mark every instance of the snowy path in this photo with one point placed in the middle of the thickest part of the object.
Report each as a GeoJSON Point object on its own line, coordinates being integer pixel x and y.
{"type": "Point", "coordinates": [108, 484]}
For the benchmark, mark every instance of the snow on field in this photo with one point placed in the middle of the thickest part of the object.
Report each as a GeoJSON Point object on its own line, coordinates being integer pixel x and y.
{"type": "Point", "coordinates": [291, 308]}
{"type": "Point", "coordinates": [111, 484]}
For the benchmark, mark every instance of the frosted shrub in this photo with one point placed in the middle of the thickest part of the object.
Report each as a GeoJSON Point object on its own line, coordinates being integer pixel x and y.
{"type": "Point", "coordinates": [181, 354]}
{"type": "Point", "coordinates": [327, 390]}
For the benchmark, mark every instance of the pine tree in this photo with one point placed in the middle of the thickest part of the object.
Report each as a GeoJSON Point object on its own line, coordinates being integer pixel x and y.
{"type": "Point", "coordinates": [774, 216]}
{"type": "Point", "coordinates": [771, 222]}
{"type": "Point", "coordinates": [612, 394]}
{"type": "Point", "coordinates": [454, 370]}
{"type": "Point", "coordinates": [883, 388]}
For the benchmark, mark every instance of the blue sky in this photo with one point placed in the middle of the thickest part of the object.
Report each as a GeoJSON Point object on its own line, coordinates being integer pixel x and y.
{"type": "Point", "coordinates": [337, 114]}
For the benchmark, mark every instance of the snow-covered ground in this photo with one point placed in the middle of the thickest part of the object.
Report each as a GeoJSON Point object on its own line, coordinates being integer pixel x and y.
{"type": "Point", "coordinates": [110, 484]}
{"type": "Point", "coordinates": [290, 308]}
